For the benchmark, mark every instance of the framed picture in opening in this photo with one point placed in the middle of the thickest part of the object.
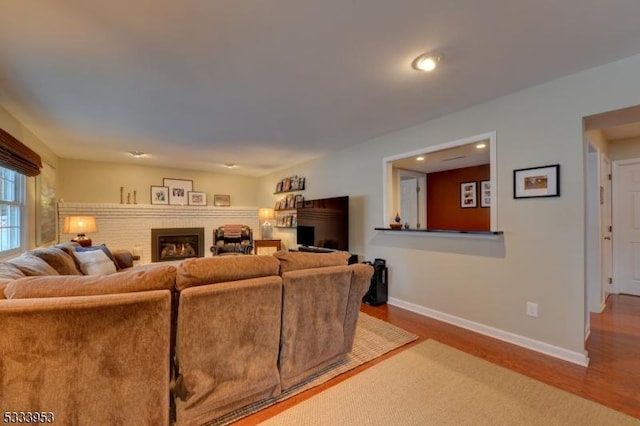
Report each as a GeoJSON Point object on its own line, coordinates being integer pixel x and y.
{"type": "Point", "coordinates": [468, 195]}
{"type": "Point", "coordinates": [485, 193]}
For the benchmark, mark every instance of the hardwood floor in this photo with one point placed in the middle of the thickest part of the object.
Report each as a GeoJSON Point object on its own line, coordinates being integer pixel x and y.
{"type": "Point", "coordinates": [612, 378]}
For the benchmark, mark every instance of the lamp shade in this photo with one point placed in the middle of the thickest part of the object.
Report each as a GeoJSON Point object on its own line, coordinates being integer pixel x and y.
{"type": "Point", "coordinates": [265, 214]}
{"type": "Point", "coordinates": [80, 224]}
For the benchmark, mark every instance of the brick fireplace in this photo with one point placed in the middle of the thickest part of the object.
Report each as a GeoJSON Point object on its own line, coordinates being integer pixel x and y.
{"type": "Point", "coordinates": [125, 226]}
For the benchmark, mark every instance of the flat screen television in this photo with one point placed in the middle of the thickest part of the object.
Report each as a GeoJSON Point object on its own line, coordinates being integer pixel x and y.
{"type": "Point", "coordinates": [324, 224]}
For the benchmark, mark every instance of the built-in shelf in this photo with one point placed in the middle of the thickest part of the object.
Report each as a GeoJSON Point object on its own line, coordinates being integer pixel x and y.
{"type": "Point", "coordinates": [288, 192]}
{"type": "Point", "coordinates": [442, 232]}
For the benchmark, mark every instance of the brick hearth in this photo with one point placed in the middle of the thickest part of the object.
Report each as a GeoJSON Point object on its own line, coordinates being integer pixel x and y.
{"type": "Point", "coordinates": [126, 225]}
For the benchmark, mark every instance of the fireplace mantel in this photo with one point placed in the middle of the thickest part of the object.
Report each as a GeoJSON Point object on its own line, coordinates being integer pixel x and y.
{"type": "Point", "coordinates": [126, 226]}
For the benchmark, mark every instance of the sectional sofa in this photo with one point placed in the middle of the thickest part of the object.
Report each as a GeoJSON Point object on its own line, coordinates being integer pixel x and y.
{"type": "Point", "coordinates": [185, 342]}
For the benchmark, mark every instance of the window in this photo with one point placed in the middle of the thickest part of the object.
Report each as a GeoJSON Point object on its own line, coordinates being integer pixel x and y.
{"type": "Point", "coordinates": [12, 196]}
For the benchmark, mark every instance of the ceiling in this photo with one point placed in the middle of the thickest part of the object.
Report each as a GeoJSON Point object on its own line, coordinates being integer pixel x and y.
{"type": "Point", "coordinates": [267, 84]}
{"type": "Point", "coordinates": [458, 157]}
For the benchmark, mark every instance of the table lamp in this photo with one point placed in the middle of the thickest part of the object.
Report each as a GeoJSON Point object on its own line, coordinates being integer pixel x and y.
{"type": "Point", "coordinates": [265, 215]}
{"type": "Point", "coordinates": [80, 225]}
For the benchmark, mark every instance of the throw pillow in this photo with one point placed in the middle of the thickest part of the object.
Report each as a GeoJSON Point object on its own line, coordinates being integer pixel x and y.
{"type": "Point", "coordinates": [59, 260]}
{"type": "Point", "coordinates": [95, 262]}
{"type": "Point", "coordinates": [32, 266]}
{"type": "Point", "coordinates": [292, 261]}
{"type": "Point", "coordinates": [102, 247]}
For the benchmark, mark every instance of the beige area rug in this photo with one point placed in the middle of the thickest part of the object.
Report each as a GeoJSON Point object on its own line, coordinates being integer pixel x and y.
{"type": "Point", "coordinates": [433, 384]}
{"type": "Point", "coordinates": [374, 338]}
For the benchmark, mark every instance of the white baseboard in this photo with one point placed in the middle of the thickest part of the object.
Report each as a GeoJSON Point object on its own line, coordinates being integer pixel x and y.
{"type": "Point", "coordinates": [525, 342]}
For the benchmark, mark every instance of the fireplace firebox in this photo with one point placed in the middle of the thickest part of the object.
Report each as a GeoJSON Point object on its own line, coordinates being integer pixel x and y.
{"type": "Point", "coordinates": [176, 243]}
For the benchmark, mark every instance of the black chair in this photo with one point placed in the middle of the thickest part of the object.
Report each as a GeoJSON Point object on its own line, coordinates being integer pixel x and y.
{"type": "Point", "coordinates": [232, 239]}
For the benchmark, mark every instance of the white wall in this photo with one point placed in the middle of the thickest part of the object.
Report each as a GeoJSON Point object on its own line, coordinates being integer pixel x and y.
{"type": "Point", "coordinates": [625, 149]}
{"type": "Point", "coordinates": [99, 182]}
{"type": "Point", "coordinates": [541, 258]}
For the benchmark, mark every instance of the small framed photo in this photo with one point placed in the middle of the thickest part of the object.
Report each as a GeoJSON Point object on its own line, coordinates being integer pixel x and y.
{"type": "Point", "coordinates": [197, 198]}
{"type": "Point", "coordinates": [468, 195]}
{"type": "Point", "coordinates": [159, 195]}
{"type": "Point", "coordinates": [301, 183]}
{"type": "Point", "coordinates": [537, 182]}
{"type": "Point", "coordinates": [178, 190]}
{"type": "Point", "coordinates": [485, 193]}
{"type": "Point", "coordinates": [279, 186]}
{"type": "Point", "coordinates": [222, 200]}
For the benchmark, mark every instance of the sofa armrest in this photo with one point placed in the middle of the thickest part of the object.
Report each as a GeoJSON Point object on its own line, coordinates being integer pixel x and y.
{"type": "Point", "coordinates": [360, 282]}
{"type": "Point", "coordinates": [123, 258]}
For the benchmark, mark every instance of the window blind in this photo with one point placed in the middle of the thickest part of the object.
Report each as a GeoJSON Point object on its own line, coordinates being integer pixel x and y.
{"type": "Point", "coordinates": [16, 156]}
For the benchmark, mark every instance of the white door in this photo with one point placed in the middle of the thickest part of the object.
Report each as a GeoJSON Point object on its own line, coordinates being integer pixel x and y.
{"type": "Point", "coordinates": [413, 206]}
{"type": "Point", "coordinates": [626, 226]}
{"type": "Point", "coordinates": [605, 228]}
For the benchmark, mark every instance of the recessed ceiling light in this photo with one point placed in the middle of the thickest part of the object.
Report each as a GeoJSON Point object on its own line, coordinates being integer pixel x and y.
{"type": "Point", "coordinates": [426, 62]}
{"type": "Point", "coordinates": [421, 158]}
{"type": "Point", "coordinates": [230, 165]}
{"type": "Point", "coordinates": [137, 154]}
{"type": "Point", "coordinates": [481, 145]}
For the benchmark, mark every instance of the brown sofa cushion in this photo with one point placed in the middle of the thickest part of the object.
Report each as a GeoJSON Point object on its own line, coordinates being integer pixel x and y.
{"type": "Point", "coordinates": [217, 269]}
{"type": "Point", "coordinates": [123, 258]}
{"type": "Point", "coordinates": [58, 259]}
{"type": "Point", "coordinates": [292, 261]}
{"type": "Point", "coordinates": [8, 273]}
{"type": "Point", "coordinates": [67, 247]}
{"type": "Point", "coordinates": [32, 265]}
{"type": "Point", "coordinates": [159, 278]}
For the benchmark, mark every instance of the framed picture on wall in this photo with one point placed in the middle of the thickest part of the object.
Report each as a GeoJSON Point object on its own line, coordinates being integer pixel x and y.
{"type": "Point", "coordinates": [178, 190]}
{"type": "Point", "coordinates": [537, 182]}
{"type": "Point", "coordinates": [197, 198]}
{"type": "Point", "coordinates": [222, 200]}
{"type": "Point", "coordinates": [159, 195]}
{"type": "Point", "coordinates": [485, 193]}
{"type": "Point", "coordinates": [468, 195]}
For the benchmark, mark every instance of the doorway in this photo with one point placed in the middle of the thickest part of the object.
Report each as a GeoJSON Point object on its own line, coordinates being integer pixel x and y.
{"type": "Point", "coordinates": [612, 153]}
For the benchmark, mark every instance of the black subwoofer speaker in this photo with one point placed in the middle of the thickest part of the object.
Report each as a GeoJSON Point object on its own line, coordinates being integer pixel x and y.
{"type": "Point", "coordinates": [378, 290]}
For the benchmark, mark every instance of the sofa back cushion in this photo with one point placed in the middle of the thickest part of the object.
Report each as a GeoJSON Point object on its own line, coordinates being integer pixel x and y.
{"type": "Point", "coordinates": [58, 259]}
{"type": "Point", "coordinates": [211, 270]}
{"type": "Point", "coordinates": [32, 265]}
{"type": "Point", "coordinates": [292, 261]}
{"type": "Point", "coordinates": [158, 278]}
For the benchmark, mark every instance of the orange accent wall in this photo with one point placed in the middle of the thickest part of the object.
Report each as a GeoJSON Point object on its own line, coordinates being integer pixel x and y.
{"type": "Point", "coordinates": [443, 200]}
